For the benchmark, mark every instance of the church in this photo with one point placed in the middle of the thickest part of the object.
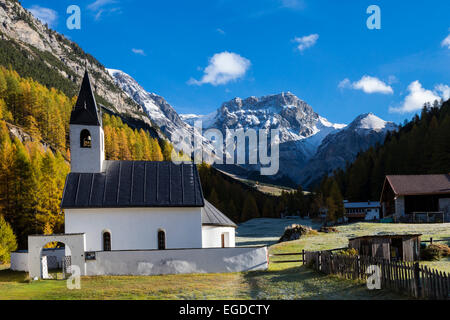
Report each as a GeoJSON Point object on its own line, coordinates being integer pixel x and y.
{"type": "Point", "coordinates": [134, 205]}
{"type": "Point", "coordinates": [133, 217]}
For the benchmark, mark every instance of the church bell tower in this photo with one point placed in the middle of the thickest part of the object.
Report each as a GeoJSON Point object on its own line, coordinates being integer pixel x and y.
{"type": "Point", "coordinates": [87, 140]}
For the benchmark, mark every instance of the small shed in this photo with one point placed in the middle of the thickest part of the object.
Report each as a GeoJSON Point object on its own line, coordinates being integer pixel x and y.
{"type": "Point", "coordinates": [390, 247]}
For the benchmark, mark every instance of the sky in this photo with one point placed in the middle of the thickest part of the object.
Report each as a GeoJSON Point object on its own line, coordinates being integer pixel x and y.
{"type": "Point", "coordinates": [198, 54]}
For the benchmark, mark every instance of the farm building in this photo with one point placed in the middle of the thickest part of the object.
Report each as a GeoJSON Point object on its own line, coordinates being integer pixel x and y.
{"type": "Point", "coordinates": [388, 247]}
{"type": "Point", "coordinates": [360, 211]}
{"type": "Point", "coordinates": [414, 197]}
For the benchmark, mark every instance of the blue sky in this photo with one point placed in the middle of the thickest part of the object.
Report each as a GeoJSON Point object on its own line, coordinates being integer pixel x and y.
{"type": "Point", "coordinates": [198, 54]}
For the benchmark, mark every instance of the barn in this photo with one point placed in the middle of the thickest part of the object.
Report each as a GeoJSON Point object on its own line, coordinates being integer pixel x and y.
{"type": "Point", "coordinates": [389, 247]}
{"type": "Point", "coordinates": [417, 198]}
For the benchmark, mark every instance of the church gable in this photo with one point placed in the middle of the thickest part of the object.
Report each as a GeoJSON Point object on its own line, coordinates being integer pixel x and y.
{"type": "Point", "coordinates": [135, 184]}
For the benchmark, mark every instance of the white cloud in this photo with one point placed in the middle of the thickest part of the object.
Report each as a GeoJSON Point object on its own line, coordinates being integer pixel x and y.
{"type": "Point", "coordinates": [368, 85]}
{"type": "Point", "coordinates": [444, 91]}
{"type": "Point", "coordinates": [45, 15]}
{"type": "Point", "coordinates": [220, 31]}
{"type": "Point", "coordinates": [223, 67]}
{"type": "Point", "coordinates": [98, 4]}
{"type": "Point", "coordinates": [138, 51]}
{"type": "Point", "coordinates": [446, 42]}
{"type": "Point", "coordinates": [416, 98]}
{"type": "Point", "coordinates": [306, 41]}
{"type": "Point", "coordinates": [101, 7]}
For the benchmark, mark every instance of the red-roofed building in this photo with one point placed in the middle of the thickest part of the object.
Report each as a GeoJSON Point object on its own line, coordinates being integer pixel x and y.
{"type": "Point", "coordinates": [407, 195]}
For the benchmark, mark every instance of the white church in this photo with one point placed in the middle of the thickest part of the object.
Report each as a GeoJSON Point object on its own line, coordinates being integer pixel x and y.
{"type": "Point", "coordinates": [136, 217]}
{"type": "Point", "coordinates": [134, 205]}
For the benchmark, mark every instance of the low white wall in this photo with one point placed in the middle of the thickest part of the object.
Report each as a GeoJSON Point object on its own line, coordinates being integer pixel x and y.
{"type": "Point", "coordinates": [178, 261]}
{"type": "Point", "coordinates": [212, 237]}
{"type": "Point", "coordinates": [19, 260]}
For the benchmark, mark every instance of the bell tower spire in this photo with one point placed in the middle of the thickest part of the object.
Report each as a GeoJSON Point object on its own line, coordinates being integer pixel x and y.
{"type": "Point", "coordinates": [86, 132]}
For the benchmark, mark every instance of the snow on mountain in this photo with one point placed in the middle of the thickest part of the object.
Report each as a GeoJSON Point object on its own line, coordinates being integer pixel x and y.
{"type": "Point", "coordinates": [159, 111]}
{"type": "Point", "coordinates": [343, 146]}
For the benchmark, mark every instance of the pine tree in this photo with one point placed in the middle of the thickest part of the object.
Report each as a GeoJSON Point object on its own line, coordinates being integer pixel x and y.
{"type": "Point", "coordinates": [250, 209]}
{"type": "Point", "coordinates": [8, 241]}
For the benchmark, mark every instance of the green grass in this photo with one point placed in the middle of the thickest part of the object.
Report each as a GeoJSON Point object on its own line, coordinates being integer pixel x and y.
{"type": "Point", "coordinates": [281, 281]}
{"type": "Point", "coordinates": [324, 241]}
{"type": "Point", "coordinates": [277, 283]}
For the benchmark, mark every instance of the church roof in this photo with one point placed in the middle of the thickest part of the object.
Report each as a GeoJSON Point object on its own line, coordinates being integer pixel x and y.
{"type": "Point", "coordinates": [85, 111]}
{"type": "Point", "coordinates": [211, 216]}
{"type": "Point", "coordinates": [138, 184]}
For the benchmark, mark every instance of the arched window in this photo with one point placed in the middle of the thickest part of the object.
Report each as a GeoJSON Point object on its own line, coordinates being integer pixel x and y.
{"type": "Point", "coordinates": [85, 139]}
{"type": "Point", "coordinates": [106, 241]}
{"type": "Point", "coordinates": [161, 240]}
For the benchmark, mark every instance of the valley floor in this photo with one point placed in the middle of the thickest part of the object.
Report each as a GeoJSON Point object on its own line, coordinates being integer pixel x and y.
{"type": "Point", "coordinates": [281, 281]}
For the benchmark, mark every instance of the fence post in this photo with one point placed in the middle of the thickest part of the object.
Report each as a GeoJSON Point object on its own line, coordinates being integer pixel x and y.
{"type": "Point", "coordinates": [303, 257]}
{"type": "Point", "coordinates": [418, 281]}
{"type": "Point", "coordinates": [431, 240]}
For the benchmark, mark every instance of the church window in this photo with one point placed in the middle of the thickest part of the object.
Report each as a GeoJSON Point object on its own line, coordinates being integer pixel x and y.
{"type": "Point", "coordinates": [106, 241]}
{"type": "Point", "coordinates": [161, 240]}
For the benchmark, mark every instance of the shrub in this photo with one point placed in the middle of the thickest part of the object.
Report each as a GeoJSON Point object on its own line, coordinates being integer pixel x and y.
{"type": "Point", "coordinates": [8, 242]}
{"type": "Point", "coordinates": [328, 230]}
{"type": "Point", "coordinates": [349, 252]}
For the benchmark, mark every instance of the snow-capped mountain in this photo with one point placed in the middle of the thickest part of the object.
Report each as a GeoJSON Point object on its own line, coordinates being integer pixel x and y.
{"type": "Point", "coordinates": [159, 111]}
{"type": "Point", "coordinates": [301, 129]}
{"type": "Point", "coordinates": [310, 145]}
{"type": "Point", "coordinates": [339, 148]}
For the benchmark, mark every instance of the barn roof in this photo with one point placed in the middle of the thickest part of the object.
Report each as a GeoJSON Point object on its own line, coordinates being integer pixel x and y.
{"type": "Point", "coordinates": [384, 236]}
{"type": "Point", "coordinates": [85, 111]}
{"type": "Point", "coordinates": [135, 184]}
{"type": "Point", "coordinates": [420, 184]}
{"type": "Point", "coordinates": [211, 216]}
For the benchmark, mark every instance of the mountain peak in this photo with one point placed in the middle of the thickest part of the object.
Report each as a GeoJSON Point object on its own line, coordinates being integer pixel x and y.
{"type": "Point", "coordinates": [369, 121]}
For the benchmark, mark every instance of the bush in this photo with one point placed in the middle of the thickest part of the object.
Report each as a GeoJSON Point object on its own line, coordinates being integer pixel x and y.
{"type": "Point", "coordinates": [349, 252]}
{"type": "Point", "coordinates": [435, 252]}
{"type": "Point", "coordinates": [8, 242]}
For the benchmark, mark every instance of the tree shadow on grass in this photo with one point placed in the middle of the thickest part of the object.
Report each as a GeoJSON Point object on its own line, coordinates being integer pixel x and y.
{"type": "Point", "coordinates": [8, 276]}
{"type": "Point", "coordinates": [304, 283]}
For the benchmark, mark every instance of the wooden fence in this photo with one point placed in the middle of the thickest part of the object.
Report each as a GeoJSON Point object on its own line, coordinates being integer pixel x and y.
{"type": "Point", "coordinates": [404, 277]}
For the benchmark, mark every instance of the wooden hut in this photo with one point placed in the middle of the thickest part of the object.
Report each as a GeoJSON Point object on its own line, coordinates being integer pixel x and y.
{"type": "Point", "coordinates": [389, 247]}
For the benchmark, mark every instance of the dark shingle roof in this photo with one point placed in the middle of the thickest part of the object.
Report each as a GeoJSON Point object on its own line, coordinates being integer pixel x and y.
{"type": "Point", "coordinates": [420, 184]}
{"type": "Point", "coordinates": [85, 111]}
{"type": "Point", "coordinates": [211, 216]}
{"type": "Point", "coordinates": [135, 184]}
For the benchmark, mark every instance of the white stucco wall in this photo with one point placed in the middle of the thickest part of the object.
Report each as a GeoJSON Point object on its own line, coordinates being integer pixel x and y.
{"type": "Point", "coordinates": [87, 160]}
{"type": "Point", "coordinates": [19, 261]}
{"type": "Point", "coordinates": [178, 261]}
{"type": "Point", "coordinates": [212, 237]}
{"type": "Point", "coordinates": [137, 228]}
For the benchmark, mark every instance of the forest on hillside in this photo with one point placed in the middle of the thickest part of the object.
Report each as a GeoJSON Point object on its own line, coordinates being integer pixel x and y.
{"type": "Point", "coordinates": [420, 146]}
{"type": "Point", "coordinates": [33, 170]}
